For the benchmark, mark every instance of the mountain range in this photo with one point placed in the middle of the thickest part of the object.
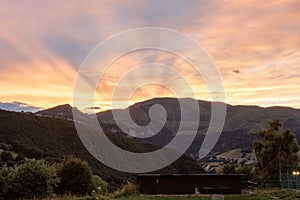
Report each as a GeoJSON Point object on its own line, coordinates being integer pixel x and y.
{"type": "Point", "coordinates": [51, 134]}
{"type": "Point", "coordinates": [241, 127]}
{"type": "Point", "coordinates": [53, 138]}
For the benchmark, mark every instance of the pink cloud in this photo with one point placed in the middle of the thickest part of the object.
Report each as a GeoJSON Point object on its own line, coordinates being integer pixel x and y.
{"type": "Point", "coordinates": [44, 43]}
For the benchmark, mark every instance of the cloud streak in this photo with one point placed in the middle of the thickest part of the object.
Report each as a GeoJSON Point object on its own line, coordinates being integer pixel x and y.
{"type": "Point", "coordinates": [44, 43]}
{"type": "Point", "coordinates": [18, 107]}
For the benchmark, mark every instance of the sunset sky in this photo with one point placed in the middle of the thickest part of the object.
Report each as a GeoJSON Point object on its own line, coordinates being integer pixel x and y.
{"type": "Point", "coordinates": [254, 44]}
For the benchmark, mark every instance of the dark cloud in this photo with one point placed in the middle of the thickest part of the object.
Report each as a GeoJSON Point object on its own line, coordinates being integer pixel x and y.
{"type": "Point", "coordinates": [93, 108]}
{"type": "Point", "coordinates": [18, 107]}
{"type": "Point", "coordinates": [236, 71]}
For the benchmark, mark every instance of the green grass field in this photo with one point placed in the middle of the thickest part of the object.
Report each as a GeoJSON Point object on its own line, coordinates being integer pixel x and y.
{"type": "Point", "coordinates": [261, 195]}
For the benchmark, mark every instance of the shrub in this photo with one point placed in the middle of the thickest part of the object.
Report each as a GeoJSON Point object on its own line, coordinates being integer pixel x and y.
{"type": "Point", "coordinates": [99, 186]}
{"type": "Point", "coordinates": [228, 169]}
{"type": "Point", "coordinates": [75, 177]}
{"type": "Point", "coordinates": [10, 163]}
{"type": "Point", "coordinates": [37, 179]}
{"type": "Point", "coordinates": [126, 190]}
{"type": "Point", "coordinates": [247, 175]}
{"type": "Point", "coordinates": [5, 175]}
{"type": "Point", "coordinates": [32, 179]}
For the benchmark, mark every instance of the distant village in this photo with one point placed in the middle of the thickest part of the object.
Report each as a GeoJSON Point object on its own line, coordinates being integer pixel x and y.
{"type": "Point", "coordinates": [239, 157]}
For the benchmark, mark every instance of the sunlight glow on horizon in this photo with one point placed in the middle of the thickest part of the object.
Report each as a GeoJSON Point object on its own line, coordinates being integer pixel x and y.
{"type": "Point", "coordinates": [255, 46]}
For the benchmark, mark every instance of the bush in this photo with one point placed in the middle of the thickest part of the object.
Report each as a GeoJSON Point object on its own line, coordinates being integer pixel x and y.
{"type": "Point", "coordinates": [32, 179]}
{"type": "Point", "coordinates": [36, 179]}
{"type": "Point", "coordinates": [99, 186]}
{"type": "Point", "coordinates": [126, 190]}
{"type": "Point", "coordinates": [75, 177]}
{"type": "Point", "coordinates": [5, 175]}
{"type": "Point", "coordinates": [247, 175]}
{"type": "Point", "coordinates": [228, 169]}
{"type": "Point", "coordinates": [10, 163]}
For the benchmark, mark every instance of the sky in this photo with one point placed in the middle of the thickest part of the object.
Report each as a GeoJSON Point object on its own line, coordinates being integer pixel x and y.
{"type": "Point", "coordinates": [254, 44]}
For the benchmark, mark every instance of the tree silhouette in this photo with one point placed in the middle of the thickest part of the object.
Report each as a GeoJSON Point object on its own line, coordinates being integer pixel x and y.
{"type": "Point", "coordinates": [275, 148]}
{"type": "Point", "coordinates": [75, 177]}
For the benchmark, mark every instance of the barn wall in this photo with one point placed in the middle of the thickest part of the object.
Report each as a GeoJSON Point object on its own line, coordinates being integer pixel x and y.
{"type": "Point", "coordinates": [186, 184]}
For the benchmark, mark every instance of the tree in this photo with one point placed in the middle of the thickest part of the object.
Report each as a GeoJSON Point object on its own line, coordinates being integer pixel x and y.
{"type": "Point", "coordinates": [275, 148]}
{"type": "Point", "coordinates": [75, 177]}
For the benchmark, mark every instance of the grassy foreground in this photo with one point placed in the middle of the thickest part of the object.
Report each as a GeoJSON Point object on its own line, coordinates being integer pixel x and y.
{"type": "Point", "coordinates": [263, 195]}
{"type": "Point", "coordinates": [260, 195]}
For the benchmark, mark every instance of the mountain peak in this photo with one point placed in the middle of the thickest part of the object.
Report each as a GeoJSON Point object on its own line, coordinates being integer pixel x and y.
{"type": "Point", "coordinates": [61, 111]}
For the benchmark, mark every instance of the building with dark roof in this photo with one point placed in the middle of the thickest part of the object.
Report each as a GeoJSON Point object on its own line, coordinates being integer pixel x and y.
{"type": "Point", "coordinates": [189, 184]}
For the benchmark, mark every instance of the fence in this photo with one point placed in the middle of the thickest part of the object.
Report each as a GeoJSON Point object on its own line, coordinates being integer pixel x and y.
{"type": "Point", "coordinates": [290, 181]}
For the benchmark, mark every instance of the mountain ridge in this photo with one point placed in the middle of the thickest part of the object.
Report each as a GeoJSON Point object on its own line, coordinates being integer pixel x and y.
{"type": "Point", "coordinates": [53, 139]}
{"type": "Point", "coordinates": [242, 122]}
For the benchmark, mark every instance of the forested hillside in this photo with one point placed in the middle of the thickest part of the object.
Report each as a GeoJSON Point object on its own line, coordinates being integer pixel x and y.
{"type": "Point", "coordinates": [53, 139]}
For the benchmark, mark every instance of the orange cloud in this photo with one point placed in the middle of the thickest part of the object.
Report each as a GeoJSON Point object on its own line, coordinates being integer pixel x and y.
{"type": "Point", "coordinates": [44, 43]}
